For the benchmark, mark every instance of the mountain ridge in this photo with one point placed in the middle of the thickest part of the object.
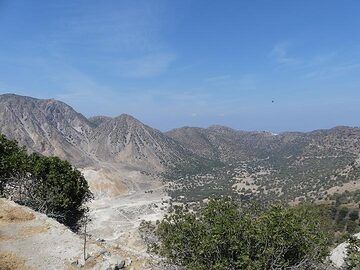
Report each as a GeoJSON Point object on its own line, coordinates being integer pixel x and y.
{"type": "Point", "coordinates": [52, 127]}
{"type": "Point", "coordinates": [213, 160]}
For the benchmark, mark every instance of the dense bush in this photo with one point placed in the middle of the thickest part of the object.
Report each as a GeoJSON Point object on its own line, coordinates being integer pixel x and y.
{"type": "Point", "coordinates": [46, 184]}
{"type": "Point", "coordinates": [222, 236]}
{"type": "Point", "coordinates": [13, 161]}
{"type": "Point", "coordinates": [353, 254]}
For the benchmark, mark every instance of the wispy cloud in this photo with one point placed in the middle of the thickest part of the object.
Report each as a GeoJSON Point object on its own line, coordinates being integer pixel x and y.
{"type": "Point", "coordinates": [217, 78]}
{"type": "Point", "coordinates": [331, 71]}
{"type": "Point", "coordinates": [123, 39]}
{"type": "Point", "coordinates": [280, 53]}
{"type": "Point", "coordinates": [317, 66]}
{"type": "Point", "coordinates": [149, 65]}
{"type": "Point", "coordinates": [111, 27]}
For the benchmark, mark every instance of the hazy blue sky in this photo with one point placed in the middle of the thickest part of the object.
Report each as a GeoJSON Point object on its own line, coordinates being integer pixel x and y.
{"type": "Point", "coordinates": [189, 62]}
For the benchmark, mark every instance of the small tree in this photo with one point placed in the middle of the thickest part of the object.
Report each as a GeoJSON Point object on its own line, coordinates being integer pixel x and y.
{"type": "Point", "coordinates": [13, 161]}
{"type": "Point", "coordinates": [84, 222]}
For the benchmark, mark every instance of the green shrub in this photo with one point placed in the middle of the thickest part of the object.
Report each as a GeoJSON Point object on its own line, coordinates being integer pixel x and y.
{"type": "Point", "coordinates": [353, 254]}
{"type": "Point", "coordinates": [13, 161]}
{"type": "Point", "coordinates": [46, 184]}
{"type": "Point", "coordinates": [354, 215]}
{"type": "Point", "coordinates": [222, 236]}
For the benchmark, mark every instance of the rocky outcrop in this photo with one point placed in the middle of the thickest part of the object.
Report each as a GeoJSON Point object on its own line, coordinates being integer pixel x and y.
{"type": "Point", "coordinates": [338, 254]}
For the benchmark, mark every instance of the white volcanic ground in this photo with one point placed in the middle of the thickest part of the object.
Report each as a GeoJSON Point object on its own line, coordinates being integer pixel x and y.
{"type": "Point", "coordinates": [122, 201]}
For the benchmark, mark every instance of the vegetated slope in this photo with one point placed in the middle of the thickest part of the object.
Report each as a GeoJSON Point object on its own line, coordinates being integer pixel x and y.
{"type": "Point", "coordinates": [286, 166]}
{"type": "Point", "coordinates": [227, 144]}
{"type": "Point", "coordinates": [49, 127]}
{"type": "Point", "coordinates": [219, 142]}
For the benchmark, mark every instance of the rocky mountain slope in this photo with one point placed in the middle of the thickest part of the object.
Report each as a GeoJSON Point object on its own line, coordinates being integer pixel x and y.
{"type": "Point", "coordinates": [125, 139]}
{"type": "Point", "coordinates": [49, 127]}
{"type": "Point", "coordinates": [98, 120]}
{"type": "Point", "coordinates": [52, 127]}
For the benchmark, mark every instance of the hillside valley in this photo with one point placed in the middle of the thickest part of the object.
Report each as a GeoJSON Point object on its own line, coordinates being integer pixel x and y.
{"type": "Point", "coordinates": [137, 172]}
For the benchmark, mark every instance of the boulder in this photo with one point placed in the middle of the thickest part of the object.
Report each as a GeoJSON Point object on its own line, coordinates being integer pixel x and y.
{"type": "Point", "coordinates": [116, 262]}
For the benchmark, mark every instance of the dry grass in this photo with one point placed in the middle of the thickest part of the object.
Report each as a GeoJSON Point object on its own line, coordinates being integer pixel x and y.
{"type": "Point", "coordinates": [9, 261]}
{"type": "Point", "coordinates": [5, 238]}
{"type": "Point", "coordinates": [30, 231]}
{"type": "Point", "coordinates": [10, 213]}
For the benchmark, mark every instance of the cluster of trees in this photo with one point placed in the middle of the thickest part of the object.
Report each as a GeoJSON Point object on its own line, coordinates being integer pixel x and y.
{"type": "Point", "coordinates": [353, 254]}
{"type": "Point", "coordinates": [223, 236]}
{"type": "Point", "coordinates": [46, 184]}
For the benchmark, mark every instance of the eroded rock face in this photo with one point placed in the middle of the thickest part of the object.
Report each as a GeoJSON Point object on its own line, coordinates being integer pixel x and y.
{"type": "Point", "coordinates": [124, 139]}
{"type": "Point", "coordinates": [51, 127]}
{"type": "Point", "coordinates": [338, 254]}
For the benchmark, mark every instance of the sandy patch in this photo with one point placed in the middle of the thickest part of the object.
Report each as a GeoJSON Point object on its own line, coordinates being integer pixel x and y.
{"type": "Point", "coordinates": [30, 231]}
{"type": "Point", "coordinates": [247, 183]}
{"type": "Point", "coordinates": [350, 186]}
{"type": "Point", "coordinates": [103, 183]}
{"type": "Point", "coordinates": [5, 238]}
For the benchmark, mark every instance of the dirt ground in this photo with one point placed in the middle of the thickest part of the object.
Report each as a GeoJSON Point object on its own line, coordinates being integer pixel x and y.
{"type": "Point", "coordinates": [123, 198]}
{"type": "Point", "coordinates": [116, 218]}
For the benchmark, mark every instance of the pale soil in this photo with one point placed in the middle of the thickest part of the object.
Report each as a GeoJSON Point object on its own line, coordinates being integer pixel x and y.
{"type": "Point", "coordinates": [246, 182]}
{"type": "Point", "coordinates": [37, 242]}
{"type": "Point", "coordinates": [120, 205]}
{"type": "Point", "coordinates": [116, 218]}
{"type": "Point", "coordinates": [350, 186]}
{"type": "Point", "coordinates": [103, 183]}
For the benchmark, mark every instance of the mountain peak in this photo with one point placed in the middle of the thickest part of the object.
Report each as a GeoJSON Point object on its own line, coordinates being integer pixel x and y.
{"type": "Point", "coordinates": [12, 96]}
{"type": "Point", "coordinates": [126, 117]}
{"type": "Point", "coordinates": [129, 120]}
{"type": "Point", "coordinates": [221, 128]}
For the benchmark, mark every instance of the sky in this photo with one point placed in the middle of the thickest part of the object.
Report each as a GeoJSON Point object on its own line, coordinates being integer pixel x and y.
{"type": "Point", "coordinates": [275, 65]}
